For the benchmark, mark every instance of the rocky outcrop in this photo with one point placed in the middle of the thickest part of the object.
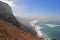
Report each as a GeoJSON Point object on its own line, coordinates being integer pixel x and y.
{"type": "Point", "coordinates": [7, 15]}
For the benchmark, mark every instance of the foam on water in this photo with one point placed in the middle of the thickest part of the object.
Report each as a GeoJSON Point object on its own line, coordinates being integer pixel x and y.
{"type": "Point", "coordinates": [36, 28]}
{"type": "Point", "coordinates": [52, 25]}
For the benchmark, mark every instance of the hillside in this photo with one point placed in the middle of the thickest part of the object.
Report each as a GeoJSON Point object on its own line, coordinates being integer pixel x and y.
{"type": "Point", "coordinates": [11, 32]}
{"type": "Point", "coordinates": [11, 28]}
{"type": "Point", "coordinates": [7, 15]}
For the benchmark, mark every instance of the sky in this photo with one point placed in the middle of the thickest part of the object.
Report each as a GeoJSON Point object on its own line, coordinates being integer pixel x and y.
{"type": "Point", "coordinates": [35, 8]}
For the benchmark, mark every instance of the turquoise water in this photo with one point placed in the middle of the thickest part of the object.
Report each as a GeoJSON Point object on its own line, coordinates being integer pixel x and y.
{"type": "Point", "coordinates": [52, 32]}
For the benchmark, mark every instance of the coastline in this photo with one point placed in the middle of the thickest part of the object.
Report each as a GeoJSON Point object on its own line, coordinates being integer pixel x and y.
{"type": "Point", "coordinates": [39, 32]}
{"type": "Point", "coordinates": [36, 28]}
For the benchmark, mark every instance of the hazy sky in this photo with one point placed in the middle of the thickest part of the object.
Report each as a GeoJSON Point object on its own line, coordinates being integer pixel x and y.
{"type": "Point", "coordinates": [37, 8]}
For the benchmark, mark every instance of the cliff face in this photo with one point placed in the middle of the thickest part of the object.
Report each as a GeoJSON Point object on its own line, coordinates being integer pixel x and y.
{"type": "Point", "coordinates": [4, 8]}
{"type": "Point", "coordinates": [7, 15]}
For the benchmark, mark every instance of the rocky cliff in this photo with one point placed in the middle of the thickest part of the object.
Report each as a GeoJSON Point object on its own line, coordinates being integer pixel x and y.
{"type": "Point", "coordinates": [7, 15]}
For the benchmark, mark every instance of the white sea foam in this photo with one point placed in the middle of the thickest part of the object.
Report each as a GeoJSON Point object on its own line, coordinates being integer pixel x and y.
{"type": "Point", "coordinates": [37, 28]}
{"type": "Point", "coordinates": [52, 25]}
{"type": "Point", "coordinates": [39, 32]}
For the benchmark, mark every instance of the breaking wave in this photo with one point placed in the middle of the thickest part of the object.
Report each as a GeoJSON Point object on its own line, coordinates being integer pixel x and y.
{"type": "Point", "coordinates": [52, 25]}
{"type": "Point", "coordinates": [36, 28]}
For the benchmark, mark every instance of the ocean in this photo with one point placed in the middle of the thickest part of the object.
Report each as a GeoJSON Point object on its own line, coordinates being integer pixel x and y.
{"type": "Point", "coordinates": [48, 29]}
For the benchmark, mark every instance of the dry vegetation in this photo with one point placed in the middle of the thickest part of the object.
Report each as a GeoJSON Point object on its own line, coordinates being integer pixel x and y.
{"type": "Point", "coordinates": [11, 32]}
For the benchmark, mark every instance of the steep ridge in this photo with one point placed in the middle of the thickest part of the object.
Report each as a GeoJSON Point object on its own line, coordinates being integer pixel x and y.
{"type": "Point", "coordinates": [7, 15]}
{"type": "Point", "coordinates": [11, 32]}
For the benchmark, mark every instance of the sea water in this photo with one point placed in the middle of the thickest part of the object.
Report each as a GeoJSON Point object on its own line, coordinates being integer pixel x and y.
{"type": "Point", "coordinates": [50, 29]}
